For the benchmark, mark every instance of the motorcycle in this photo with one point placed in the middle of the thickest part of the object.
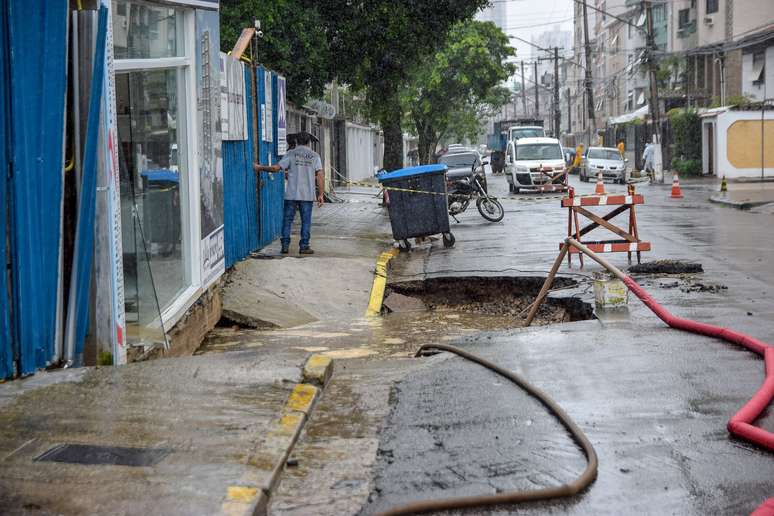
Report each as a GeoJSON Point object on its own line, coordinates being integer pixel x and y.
{"type": "Point", "coordinates": [462, 191]}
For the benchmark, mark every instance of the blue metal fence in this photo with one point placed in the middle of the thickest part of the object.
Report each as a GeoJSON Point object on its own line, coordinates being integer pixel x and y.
{"type": "Point", "coordinates": [272, 186]}
{"type": "Point", "coordinates": [252, 202]}
{"type": "Point", "coordinates": [239, 185]}
{"type": "Point", "coordinates": [34, 51]}
{"type": "Point", "coordinates": [6, 353]}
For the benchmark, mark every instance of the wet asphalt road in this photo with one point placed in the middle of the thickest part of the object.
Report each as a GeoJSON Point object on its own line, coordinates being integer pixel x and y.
{"type": "Point", "coordinates": [653, 401]}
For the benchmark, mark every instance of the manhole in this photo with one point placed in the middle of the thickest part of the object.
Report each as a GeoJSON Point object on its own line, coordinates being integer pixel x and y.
{"type": "Point", "coordinates": [90, 454]}
{"type": "Point", "coordinates": [504, 299]}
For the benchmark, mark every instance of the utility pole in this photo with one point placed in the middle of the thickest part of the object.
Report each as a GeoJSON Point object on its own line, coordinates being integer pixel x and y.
{"type": "Point", "coordinates": [537, 94]}
{"type": "Point", "coordinates": [557, 112]}
{"type": "Point", "coordinates": [523, 92]}
{"type": "Point", "coordinates": [658, 164]}
{"type": "Point", "coordinates": [588, 80]}
{"type": "Point", "coordinates": [651, 48]}
{"type": "Point", "coordinates": [569, 111]}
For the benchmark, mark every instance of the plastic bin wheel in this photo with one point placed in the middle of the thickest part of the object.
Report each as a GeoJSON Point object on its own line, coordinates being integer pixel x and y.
{"type": "Point", "coordinates": [448, 240]}
{"type": "Point", "coordinates": [404, 245]}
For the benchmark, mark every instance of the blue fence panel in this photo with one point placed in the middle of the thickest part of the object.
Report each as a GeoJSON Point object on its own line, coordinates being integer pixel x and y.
{"type": "Point", "coordinates": [252, 202]}
{"type": "Point", "coordinates": [80, 278]}
{"type": "Point", "coordinates": [37, 33]}
{"type": "Point", "coordinates": [240, 190]}
{"type": "Point", "coordinates": [6, 351]}
{"type": "Point", "coordinates": [272, 186]}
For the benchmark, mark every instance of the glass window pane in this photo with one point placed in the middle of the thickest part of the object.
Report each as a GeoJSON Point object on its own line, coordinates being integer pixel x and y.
{"type": "Point", "coordinates": [144, 31]}
{"type": "Point", "coordinates": [153, 186]}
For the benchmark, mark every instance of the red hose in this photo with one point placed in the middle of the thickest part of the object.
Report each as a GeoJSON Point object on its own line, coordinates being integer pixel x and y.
{"type": "Point", "coordinates": [766, 508]}
{"type": "Point", "coordinates": [740, 424]}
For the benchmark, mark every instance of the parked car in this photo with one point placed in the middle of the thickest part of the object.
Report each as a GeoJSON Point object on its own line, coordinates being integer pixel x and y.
{"type": "Point", "coordinates": [607, 160]}
{"type": "Point", "coordinates": [529, 161]}
{"type": "Point", "coordinates": [463, 164]}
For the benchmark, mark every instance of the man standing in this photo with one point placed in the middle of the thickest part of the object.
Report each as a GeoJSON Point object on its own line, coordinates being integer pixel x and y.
{"type": "Point", "coordinates": [621, 147]}
{"type": "Point", "coordinates": [303, 168]}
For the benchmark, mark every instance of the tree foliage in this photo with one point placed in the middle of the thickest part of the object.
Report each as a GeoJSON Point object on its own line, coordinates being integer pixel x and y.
{"type": "Point", "coordinates": [294, 44]}
{"type": "Point", "coordinates": [378, 43]}
{"type": "Point", "coordinates": [459, 85]}
{"type": "Point", "coordinates": [686, 130]}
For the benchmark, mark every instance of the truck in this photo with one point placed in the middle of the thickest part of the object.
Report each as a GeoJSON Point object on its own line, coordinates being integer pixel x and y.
{"type": "Point", "coordinates": [510, 130]}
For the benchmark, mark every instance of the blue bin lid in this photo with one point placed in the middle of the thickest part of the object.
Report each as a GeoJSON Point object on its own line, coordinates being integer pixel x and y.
{"type": "Point", "coordinates": [161, 174]}
{"type": "Point", "coordinates": [412, 171]}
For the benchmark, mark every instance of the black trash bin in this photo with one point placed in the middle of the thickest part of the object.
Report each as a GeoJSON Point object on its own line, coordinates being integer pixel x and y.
{"type": "Point", "coordinates": [421, 212]}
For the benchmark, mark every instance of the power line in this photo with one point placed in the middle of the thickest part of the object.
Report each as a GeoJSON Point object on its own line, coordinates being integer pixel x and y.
{"type": "Point", "coordinates": [546, 50]}
{"type": "Point", "coordinates": [627, 22]}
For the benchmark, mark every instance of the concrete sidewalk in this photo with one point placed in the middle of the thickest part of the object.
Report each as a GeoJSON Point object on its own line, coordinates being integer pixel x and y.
{"type": "Point", "coordinates": [746, 195]}
{"type": "Point", "coordinates": [217, 430]}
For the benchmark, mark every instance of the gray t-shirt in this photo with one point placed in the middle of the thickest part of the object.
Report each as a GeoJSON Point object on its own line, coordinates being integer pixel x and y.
{"type": "Point", "coordinates": [301, 164]}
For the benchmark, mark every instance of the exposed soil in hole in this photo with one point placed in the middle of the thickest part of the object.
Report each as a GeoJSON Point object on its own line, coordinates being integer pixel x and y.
{"type": "Point", "coordinates": [666, 267]}
{"type": "Point", "coordinates": [229, 319]}
{"type": "Point", "coordinates": [508, 297]}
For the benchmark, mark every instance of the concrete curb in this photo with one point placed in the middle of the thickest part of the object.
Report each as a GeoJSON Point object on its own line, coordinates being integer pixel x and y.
{"type": "Point", "coordinates": [318, 370]}
{"type": "Point", "coordinates": [251, 496]}
{"type": "Point", "coordinates": [380, 282]}
{"type": "Point", "coordinates": [739, 205]}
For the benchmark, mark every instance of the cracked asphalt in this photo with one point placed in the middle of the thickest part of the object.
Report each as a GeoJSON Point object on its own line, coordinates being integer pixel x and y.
{"type": "Point", "coordinates": [654, 402]}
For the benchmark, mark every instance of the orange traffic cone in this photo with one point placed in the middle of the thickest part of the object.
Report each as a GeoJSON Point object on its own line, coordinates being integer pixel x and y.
{"type": "Point", "coordinates": [600, 189]}
{"type": "Point", "coordinates": [676, 192]}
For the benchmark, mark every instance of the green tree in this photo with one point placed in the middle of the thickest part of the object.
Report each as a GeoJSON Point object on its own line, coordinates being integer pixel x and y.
{"type": "Point", "coordinates": [378, 43]}
{"type": "Point", "coordinates": [294, 43]}
{"type": "Point", "coordinates": [463, 82]}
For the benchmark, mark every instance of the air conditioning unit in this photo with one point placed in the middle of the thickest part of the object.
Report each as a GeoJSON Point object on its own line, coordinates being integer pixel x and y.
{"type": "Point", "coordinates": [708, 21]}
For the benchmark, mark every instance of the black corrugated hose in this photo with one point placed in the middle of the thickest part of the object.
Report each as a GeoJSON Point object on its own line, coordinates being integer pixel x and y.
{"type": "Point", "coordinates": [468, 502]}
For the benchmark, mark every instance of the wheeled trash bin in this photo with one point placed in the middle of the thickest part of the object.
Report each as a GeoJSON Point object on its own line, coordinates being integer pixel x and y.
{"type": "Point", "coordinates": [417, 203]}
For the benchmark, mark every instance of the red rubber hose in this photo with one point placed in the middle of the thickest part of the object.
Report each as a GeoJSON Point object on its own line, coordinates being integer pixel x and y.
{"type": "Point", "coordinates": [766, 508]}
{"type": "Point", "coordinates": [740, 424]}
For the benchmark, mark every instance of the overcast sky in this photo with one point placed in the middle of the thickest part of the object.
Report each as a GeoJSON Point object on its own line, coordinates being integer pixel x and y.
{"type": "Point", "coordinates": [527, 18]}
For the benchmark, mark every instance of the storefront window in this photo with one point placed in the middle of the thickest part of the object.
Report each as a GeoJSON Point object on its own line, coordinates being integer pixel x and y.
{"type": "Point", "coordinates": [151, 103]}
{"type": "Point", "coordinates": [146, 31]}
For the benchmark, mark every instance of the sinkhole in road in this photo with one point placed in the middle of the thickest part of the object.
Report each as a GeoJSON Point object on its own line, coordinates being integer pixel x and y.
{"type": "Point", "coordinates": [501, 301]}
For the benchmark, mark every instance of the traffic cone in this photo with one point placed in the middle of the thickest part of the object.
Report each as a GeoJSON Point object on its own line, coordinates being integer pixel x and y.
{"type": "Point", "coordinates": [724, 186]}
{"type": "Point", "coordinates": [600, 189]}
{"type": "Point", "coordinates": [676, 192]}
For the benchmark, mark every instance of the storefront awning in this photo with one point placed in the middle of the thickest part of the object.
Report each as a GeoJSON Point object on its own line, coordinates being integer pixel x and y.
{"type": "Point", "coordinates": [640, 113]}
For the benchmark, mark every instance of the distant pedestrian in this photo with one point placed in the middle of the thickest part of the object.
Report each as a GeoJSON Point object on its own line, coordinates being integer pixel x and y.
{"type": "Point", "coordinates": [303, 169]}
{"type": "Point", "coordinates": [621, 147]}
{"type": "Point", "coordinates": [578, 157]}
{"type": "Point", "coordinates": [647, 158]}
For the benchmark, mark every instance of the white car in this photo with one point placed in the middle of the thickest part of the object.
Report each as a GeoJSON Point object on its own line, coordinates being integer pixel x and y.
{"type": "Point", "coordinates": [606, 160]}
{"type": "Point", "coordinates": [534, 163]}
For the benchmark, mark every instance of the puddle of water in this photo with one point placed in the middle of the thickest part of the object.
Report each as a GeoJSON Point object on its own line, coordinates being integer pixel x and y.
{"type": "Point", "coordinates": [312, 334]}
{"type": "Point", "coordinates": [350, 353]}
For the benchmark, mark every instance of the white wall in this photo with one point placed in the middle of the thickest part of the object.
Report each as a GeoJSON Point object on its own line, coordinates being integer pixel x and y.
{"type": "Point", "coordinates": [722, 123]}
{"type": "Point", "coordinates": [361, 151]}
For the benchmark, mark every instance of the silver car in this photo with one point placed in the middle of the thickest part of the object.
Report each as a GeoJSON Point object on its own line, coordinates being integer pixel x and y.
{"type": "Point", "coordinates": [606, 160]}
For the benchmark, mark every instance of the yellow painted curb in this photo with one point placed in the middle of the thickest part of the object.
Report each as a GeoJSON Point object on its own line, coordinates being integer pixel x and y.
{"type": "Point", "coordinates": [318, 370]}
{"type": "Point", "coordinates": [251, 495]}
{"type": "Point", "coordinates": [302, 398]}
{"type": "Point", "coordinates": [380, 282]}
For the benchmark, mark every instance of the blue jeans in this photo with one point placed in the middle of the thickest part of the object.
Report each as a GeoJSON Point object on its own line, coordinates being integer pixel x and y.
{"type": "Point", "coordinates": [305, 208]}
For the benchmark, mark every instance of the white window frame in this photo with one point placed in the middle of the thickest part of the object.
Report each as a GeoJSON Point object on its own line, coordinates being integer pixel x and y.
{"type": "Point", "coordinates": [189, 185]}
